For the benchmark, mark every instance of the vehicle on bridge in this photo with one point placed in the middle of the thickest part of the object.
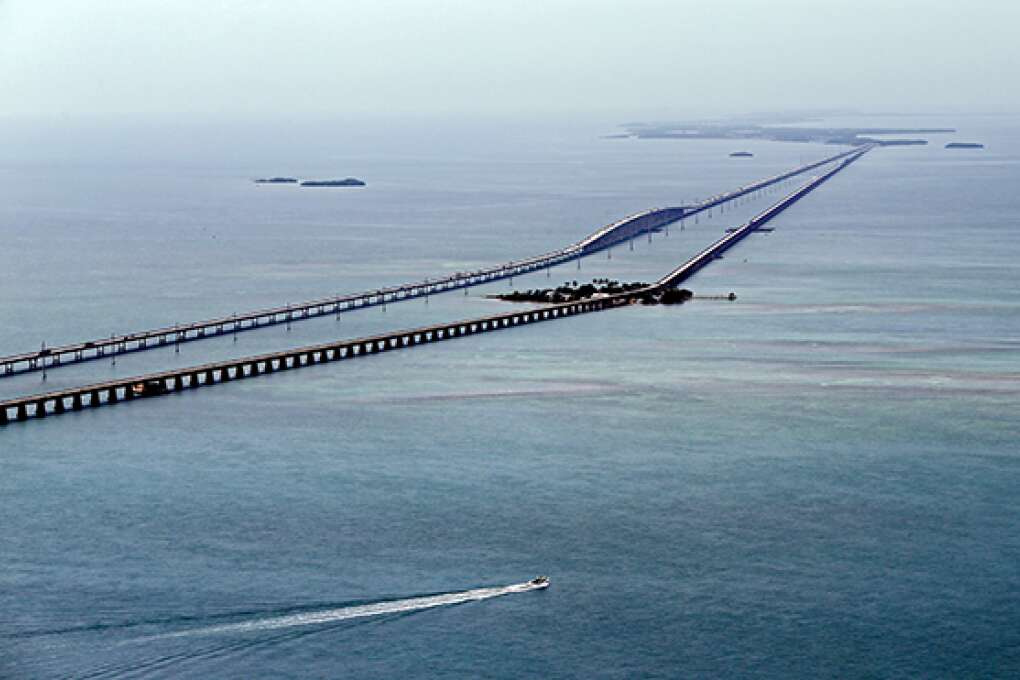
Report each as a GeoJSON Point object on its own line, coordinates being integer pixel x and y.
{"type": "Point", "coordinates": [149, 388]}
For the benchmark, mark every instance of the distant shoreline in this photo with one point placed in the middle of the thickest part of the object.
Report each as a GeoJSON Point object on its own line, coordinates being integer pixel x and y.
{"type": "Point", "coordinates": [852, 136]}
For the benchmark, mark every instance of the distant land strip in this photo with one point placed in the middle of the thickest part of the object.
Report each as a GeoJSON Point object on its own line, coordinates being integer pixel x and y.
{"type": "Point", "coordinates": [785, 132]}
{"type": "Point", "coordinates": [49, 358]}
{"type": "Point", "coordinates": [73, 399]}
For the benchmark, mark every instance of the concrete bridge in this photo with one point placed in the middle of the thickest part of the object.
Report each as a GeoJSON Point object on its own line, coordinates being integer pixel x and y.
{"type": "Point", "coordinates": [620, 231]}
{"type": "Point", "coordinates": [167, 382]}
{"type": "Point", "coordinates": [734, 236]}
{"type": "Point", "coordinates": [656, 218]}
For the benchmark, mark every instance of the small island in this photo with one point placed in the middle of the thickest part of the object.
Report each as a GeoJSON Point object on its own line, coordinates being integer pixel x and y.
{"type": "Point", "coordinates": [598, 288]}
{"type": "Point", "coordinates": [741, 154]}
{"type": "Point", "coordinates": [276, 180]}
{"type": "Point", "coordinates": [964, 145]}
{"type": "Point", "coordinates": [348, 182]}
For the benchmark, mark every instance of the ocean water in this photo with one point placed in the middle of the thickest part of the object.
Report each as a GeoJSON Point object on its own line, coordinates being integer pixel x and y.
{"type": "Point", "coordinates": [816, 480]}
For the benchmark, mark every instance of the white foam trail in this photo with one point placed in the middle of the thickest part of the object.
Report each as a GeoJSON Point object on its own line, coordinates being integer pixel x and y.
{"type": "Point", "coordinates": [359, 611]}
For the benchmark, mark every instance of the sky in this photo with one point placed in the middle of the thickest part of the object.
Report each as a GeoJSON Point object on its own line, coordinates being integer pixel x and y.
{"type": "Point", "coordinates": [634, 59]}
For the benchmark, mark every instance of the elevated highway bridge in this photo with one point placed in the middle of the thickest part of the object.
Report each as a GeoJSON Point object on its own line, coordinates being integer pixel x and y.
{"type": "Point", "coordinates": [620, 231]}
{"type": "Point", "coordinates": [105, 393]}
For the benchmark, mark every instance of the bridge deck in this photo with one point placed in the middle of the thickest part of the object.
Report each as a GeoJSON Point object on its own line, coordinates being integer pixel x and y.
{"type": "Point", "coordinates": [706, 256]}
{"type": "Point", "coordinates": [606, 237]}
{"type": "Point", "coordinates": [166, 382]}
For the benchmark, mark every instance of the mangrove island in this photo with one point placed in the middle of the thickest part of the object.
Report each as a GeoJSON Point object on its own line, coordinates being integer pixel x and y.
{"type": "Point", "coordinates": [571, 291]}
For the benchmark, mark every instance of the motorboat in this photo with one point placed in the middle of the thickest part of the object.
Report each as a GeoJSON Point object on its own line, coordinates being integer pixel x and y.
{"type": "Point", "coordinates": [540, 582]}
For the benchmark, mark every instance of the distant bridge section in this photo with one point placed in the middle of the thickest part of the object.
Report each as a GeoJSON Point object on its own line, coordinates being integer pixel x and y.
{"type": "Point", "coordinates": [657, 218]}
{"type": "Point", "coordinates": [629, 227]}
{"type": "Point", "coordinates": [715, 250]}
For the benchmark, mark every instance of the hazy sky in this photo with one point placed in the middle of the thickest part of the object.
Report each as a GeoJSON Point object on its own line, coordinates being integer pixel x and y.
{"type": "Point", "coordinates": [639, 58]}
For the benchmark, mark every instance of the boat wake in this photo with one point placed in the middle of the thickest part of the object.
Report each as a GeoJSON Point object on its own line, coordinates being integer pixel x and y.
{"type": "Point", "coordinates": [358, 611]}
{"type": "Point", "coordinates": [199, 648]}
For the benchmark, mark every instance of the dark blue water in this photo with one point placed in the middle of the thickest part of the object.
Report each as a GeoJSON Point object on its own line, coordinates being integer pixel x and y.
{"type": "Point", "coordinates": [819, 479]}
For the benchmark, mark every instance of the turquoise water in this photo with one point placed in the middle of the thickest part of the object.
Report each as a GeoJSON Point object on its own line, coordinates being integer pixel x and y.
{"type": "Point", "coordinates": [818, 479]}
